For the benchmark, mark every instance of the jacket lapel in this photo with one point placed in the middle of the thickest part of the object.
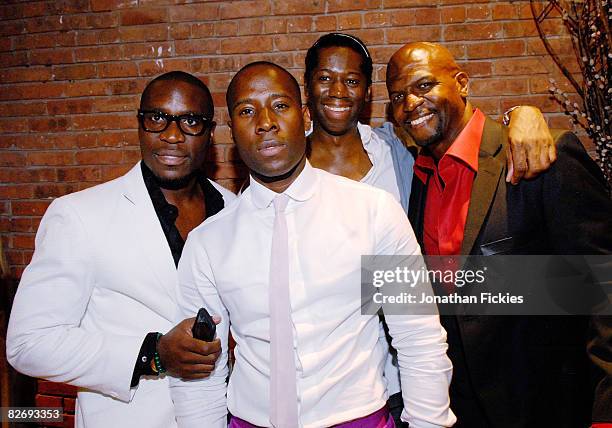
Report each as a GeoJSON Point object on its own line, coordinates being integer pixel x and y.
{"type": "Point", "coordinates": [148, 232]}
{"type": "Point", "coordinates": [491, 162]}
{"type": "Point", "coordinates": [416, 208]}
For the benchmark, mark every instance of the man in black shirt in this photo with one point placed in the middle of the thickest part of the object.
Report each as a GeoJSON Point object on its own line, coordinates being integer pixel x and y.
{"type": "Point", "coordinates": [101, 289]}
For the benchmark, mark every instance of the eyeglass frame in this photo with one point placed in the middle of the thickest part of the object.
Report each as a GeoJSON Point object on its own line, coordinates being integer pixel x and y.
{"type": "Point", "coordinates": [208, 122]}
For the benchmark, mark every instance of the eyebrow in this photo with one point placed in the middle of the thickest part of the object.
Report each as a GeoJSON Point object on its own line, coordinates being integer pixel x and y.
{"type": "Point", "coordinates": [251, 100]}
{"type": "Point", "coordinates": [161, 110]}
{"type": "Point", "coordinates": [329, 70]}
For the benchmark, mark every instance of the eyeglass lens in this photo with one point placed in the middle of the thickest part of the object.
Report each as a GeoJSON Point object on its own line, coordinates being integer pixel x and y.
{"type": "Point", "coordinates": [158, 122]}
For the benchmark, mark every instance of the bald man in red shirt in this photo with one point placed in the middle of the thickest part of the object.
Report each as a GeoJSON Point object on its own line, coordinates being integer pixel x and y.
{"type": "Point", "coordinates": [460, 204]}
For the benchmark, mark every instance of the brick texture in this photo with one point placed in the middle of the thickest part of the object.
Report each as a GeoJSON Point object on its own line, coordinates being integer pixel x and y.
{"type": "Point", "coordinates": [71, 73]}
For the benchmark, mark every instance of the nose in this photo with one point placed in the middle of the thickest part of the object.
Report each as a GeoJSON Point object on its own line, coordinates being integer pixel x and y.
{"type": "Point", "coordinates": [411, 102]}
{"type": "Point", "coordinates": [266, 122]}
{"type": "Point", "coordinates": [337, 89]}
{"type": "Point", "coordinates": [172, 134]}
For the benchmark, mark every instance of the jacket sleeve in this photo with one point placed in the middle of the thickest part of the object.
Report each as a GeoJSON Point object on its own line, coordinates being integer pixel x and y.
{"type": "Point", "coordinates": [45, 337]}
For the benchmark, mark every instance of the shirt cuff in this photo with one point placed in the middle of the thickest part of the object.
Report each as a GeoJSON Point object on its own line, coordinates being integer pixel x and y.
{"type": "Point", "coordinates": [145, 356]}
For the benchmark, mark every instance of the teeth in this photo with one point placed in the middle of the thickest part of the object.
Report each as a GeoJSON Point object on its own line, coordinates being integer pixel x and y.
{"type": "Point", "coordinates": [337, 109]}
{"type": "Point", "coordinates": [420, 120]}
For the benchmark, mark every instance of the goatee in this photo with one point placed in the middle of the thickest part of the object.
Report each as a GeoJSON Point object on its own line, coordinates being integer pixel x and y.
{"type": "Point", "coordinates": [175, 183]}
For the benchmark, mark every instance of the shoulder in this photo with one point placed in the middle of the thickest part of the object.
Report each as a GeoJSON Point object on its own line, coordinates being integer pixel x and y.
{"type": "Point", "coordinates": [573, 160]}
{"type": "Point", "coordinates": [565, 138]}
{"type": "Point", "coordinates": [223, 219]}
{"type": "Point", "coordinates": [385, 131]}
{"type": "Point", "coordinates": [399, 151]}
{"type": "Point", "coordinates": [98, 197]}
{"type": "Point", "coordinates": [344, 188]}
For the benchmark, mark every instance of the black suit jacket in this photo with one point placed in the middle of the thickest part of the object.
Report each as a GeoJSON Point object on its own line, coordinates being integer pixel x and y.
{"type": "Point", "coordinates": [512, 371]}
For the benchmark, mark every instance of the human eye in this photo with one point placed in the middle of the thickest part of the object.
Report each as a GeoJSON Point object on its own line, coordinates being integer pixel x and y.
{"type": "Point", "coordinates": [246, 111]}
{"type": "Point", "coordinates": [191, 120]}
{"type": "Point", "coordinates": [353, 82]}
{"type": "Point", "coordinates": [156, 116]}
{"type": "Point", "coordinates": [426, 85]}
{"type": "Point", "coordinates": [397, 97]}
{"type": "Point", "coordinates": [323, 78]}
{"type": "Point", "coordinates": [281, 106]}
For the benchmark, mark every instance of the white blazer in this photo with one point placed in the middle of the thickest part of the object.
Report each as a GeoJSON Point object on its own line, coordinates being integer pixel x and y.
{"type": "Point", "coordinates": [102, 277]}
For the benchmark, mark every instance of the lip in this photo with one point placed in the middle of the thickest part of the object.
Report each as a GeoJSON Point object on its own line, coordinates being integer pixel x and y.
{"type": "Point", "coordinates": [170, 159]}
{"type": "Point", "coordinates": [420, 120]}
{"type": "Point", "coordinates": [271, 148]}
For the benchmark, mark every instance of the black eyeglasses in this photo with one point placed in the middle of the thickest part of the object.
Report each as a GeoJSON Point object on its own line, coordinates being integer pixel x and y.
{"type": "Point", "coordinates": [190, 124]}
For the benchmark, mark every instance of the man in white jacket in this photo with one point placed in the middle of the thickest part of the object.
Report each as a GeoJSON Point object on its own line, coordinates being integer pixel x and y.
{"type": "Point", "coordinates": [101, 288]}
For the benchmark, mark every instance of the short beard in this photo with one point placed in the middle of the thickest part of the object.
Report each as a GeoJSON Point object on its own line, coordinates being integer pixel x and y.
{"type": "Point", "coordinates": [437, 136]}
{"type": "Point", "coordinates": [175, 183]}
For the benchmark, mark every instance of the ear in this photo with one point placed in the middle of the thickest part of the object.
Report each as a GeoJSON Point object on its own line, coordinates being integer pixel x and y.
{"type": "Point", "coordinates": [306, 117]}
{"type": "Point", "coordinates": [212, 131]}
{"type": "Point", "coordinates": [462, 80]}
{"type": "Point", "coordinates": [368, 96]}
{"type": "Point", "coordinates": [306, 113]}
{"type": "Point", "coordinates": [229, 124]}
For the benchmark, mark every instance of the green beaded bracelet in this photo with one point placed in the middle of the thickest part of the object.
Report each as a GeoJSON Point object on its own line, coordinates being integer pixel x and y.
{"type": "Point", "coordinates": [158, 365]}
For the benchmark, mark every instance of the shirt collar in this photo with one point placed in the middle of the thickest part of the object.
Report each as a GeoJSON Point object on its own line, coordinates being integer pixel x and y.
{"type": "Point", "coordinates": [463, 148]}
{"type": "Point", "coordinates": [365, 132]}
{"type": "Point", "coordinates": [213, 199]}
{"type": "Point", "coordinates": [302, 189]}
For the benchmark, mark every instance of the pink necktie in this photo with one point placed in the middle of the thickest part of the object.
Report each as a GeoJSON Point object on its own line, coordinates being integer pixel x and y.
{"type": "Point", "coordinates": [283, 388]}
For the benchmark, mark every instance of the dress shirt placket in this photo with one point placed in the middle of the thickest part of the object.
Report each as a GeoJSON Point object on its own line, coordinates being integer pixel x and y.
{"type": "Point", "coordinates": [283, 387]}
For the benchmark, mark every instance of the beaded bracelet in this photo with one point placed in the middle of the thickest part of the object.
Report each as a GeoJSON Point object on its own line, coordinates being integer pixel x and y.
{"type": "Point", "coordinates": [158, 365]}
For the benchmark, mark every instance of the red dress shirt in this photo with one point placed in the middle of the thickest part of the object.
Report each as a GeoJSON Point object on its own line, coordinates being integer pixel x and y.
{"type": "Point", "coordinates": [450, 188]}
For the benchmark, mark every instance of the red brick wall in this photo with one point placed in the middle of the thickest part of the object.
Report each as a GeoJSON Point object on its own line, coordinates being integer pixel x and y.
{"type": "Point", "coordinates": [71, 72]}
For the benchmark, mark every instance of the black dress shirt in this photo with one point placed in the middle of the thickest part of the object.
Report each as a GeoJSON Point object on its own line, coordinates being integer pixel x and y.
{"type": "Point", "coordinates": [168, 213]}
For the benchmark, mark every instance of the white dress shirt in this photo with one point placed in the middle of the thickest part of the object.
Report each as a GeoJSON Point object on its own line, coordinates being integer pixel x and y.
{"type": "Point", "coordinates": [382, 173]}
{"type": "Point", "coordinates": [382, 176]}
{"type": "Point", "coordinates": [331, 222]}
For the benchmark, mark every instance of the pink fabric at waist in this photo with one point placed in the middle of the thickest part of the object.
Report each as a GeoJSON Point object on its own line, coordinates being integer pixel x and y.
{"type": "Point", "coordinates": [378, 419]}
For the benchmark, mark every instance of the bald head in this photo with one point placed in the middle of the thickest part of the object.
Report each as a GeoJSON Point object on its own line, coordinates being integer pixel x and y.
{"type": "Point", "coordinates": [168, 81]}
{"type": "Point", "coordinates": [428, 95]}
{"type": "Point", "coordinates": [260, 68]}
{"type": "Point", "coordinates": [418, 54]}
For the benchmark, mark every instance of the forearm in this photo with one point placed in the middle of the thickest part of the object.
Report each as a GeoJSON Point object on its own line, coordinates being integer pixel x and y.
{"type": "Point", "coordinates": [201, 403]}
